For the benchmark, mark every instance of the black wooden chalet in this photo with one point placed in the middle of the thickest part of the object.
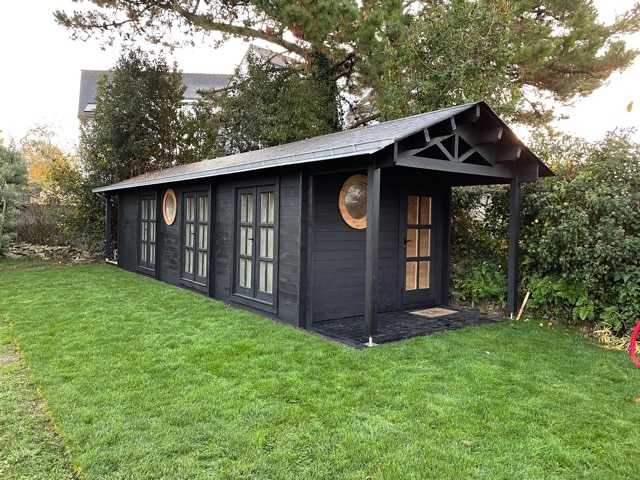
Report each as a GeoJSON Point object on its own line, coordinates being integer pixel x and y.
{"type": "Point", "coordinates": [344, 225]}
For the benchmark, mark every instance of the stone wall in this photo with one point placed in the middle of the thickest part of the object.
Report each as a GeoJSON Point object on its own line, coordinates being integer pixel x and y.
{"type": "Point", "coordinates": [22, 249]}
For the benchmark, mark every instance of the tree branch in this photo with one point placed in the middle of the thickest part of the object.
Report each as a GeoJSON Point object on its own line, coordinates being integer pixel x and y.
{"type": "Point", "coordinates": [205, 22]}
{"type": "Point", "coordinates": [365, 120]}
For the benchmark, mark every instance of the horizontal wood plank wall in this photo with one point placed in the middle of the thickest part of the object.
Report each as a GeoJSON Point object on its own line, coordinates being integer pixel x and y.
{"type": "Point", "coordinates": [169, 240]}
{"type": "Point", "coordinates": [222, 246]}
{"type": "Point", "coordinates": [289, 250]}
{"type": "Point", "coordinates": [389, 245]}
{"type": "Point", "coordinates": [128, 230]}
{"type": "Point", "coordinates": [338, 261]}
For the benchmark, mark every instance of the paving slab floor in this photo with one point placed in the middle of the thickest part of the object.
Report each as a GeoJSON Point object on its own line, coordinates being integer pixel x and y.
{"type": "Point", "coordinates": [401, 325]}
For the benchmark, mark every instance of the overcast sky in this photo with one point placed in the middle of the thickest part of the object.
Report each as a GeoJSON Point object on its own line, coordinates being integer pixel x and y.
{"type": "Point", "coordinates": [40, 74]}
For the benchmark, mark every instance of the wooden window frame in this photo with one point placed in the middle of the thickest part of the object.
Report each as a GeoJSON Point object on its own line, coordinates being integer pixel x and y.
{"type": "Point", "coordinates": [359, 223]}
{"type": "Point", "coordinates": [196, 248]}
{"type": "Point", "coordinates": [147, 233]}
{"type": "Point", "coordinates": [252, 294]}
{"type": "Point", "coordinates": [169, 207]}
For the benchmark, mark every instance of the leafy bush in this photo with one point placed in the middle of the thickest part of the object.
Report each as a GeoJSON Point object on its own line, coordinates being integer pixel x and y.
{"type": "Point", "coordinates": [581, 232]}
{"type": "Point", "coordinates": [481, 282]}
{"type": "Point", "coordinates": [580, 240]}
{"type": "Point", "coordinates": [479, 244]}
{"type": "Point", "coordinates": [13, 182]}
{"type": "Point", "coordinates": [45, 224]}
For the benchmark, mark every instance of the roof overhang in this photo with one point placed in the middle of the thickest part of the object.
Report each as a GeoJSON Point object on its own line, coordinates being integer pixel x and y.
{"type": "Point", "coordinates": [469, 140]}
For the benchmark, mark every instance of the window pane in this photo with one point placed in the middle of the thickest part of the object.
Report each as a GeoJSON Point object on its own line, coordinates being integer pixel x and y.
{"type": "Point", "coordinates": [203, 215]}
{"type": "Point", "coordinates": [152, 231]}
{"type": "Point", "coordinates": [202, 236]}
{"type": "Point", "coordinates": [266, 207]}
{"type": "Point", "coordinates": [152, 209]}
{"type": "Point", "coordinates": [202, 264]}
{"type": "Point", "coordinates": [143, 231]}
{"type": "Point", "coordinates": [188, 261]}
{"type": "Point", "coordinates": [242, 272]}
{"type": "Point", "coordinates": [266, 277]}
{"type": "Point", "coordinates": [412, 211]}
{"type": "Point", "coordinates": [189, 235]}
{"type": "Point", "coordinates": [143, 253]}
{"type": "Point", "coordinates": [246, 234]}
{"type": "Point", "coordinates": [424, 275]}
{"type": "Point", "coordinates": [425, 244]}
{"type": "Point", "coordinates": [411, 281]}
{"type": "Point", "coordinates": [144, 207]}
{"type": "Point", "coordinates": [245, 273]}
{"type": "Point", "coordinates": [152, 253]}
{"type": "Point", "coordinates": [266, 242]}
{"type": "Point", "coordinates": [246, 207]}
{"type": "Point", "coordinates": [412, 243]}
{"type": "Point", "coordinates": [190, 209]}
{"type": "Point", "coordinates": [271, 218]}
{"type": "Point", "coordinates": [425, 210]}
{"type": "Point", "coordinates": [243, 208]}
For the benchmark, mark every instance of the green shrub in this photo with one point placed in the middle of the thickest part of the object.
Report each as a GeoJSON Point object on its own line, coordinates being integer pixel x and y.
{"type": "Point", "coordinates": [13, 183]}
{"type": "Point", "coordinates": [481, 282]}
{"type": "Point", "coordinates": [479, 244]}
{"type": "Point", "coordinates": [581, 233]}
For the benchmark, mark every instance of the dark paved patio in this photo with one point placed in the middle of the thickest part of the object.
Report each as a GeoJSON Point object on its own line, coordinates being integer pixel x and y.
{"type": "Point", "coordinates": [400, 325]}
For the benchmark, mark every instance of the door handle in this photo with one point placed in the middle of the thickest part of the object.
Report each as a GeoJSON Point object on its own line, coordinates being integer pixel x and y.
{"type": "Point", "coordinates": [404, 242]}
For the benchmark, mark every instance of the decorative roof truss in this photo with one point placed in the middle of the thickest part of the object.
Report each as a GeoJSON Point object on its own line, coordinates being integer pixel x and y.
{"type": "Point", "coordinates": [473, 142]}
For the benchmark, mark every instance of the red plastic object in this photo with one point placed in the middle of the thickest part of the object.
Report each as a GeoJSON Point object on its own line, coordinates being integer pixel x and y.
{"type": "Point", "coordinates": [632, 344]}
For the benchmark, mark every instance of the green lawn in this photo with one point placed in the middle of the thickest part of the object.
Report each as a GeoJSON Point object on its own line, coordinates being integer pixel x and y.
{"type": "Point", "coordinates": [146, 381]}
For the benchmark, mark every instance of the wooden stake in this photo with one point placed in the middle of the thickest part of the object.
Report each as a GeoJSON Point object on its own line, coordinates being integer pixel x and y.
{"type": "Point", "coordinates": [524, 302]}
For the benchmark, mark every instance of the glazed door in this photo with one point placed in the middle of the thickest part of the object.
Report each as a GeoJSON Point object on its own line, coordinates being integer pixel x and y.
{"type": "Point", "coordinates": [256, 247]}
{"type": "Point", "coordinates": [416, 251]}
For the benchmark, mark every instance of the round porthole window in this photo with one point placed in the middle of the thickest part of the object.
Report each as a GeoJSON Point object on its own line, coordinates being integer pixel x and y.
{"type": "Point", "coordinates": [169, 207]}
{"type": "Point", "coordinates": [353, 201]}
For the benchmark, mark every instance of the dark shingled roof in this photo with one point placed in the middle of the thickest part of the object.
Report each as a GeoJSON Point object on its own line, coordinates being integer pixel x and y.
{"type": "Point", "coordinates": [349, 143]}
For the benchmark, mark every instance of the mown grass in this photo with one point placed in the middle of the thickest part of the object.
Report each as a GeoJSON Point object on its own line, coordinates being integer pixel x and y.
{"type": "Point", "coordinates": [21, 263]}
{"type": "Point", "coordinates": [143, 380]}
{"type": "Point", "coordinates": [29, 447]}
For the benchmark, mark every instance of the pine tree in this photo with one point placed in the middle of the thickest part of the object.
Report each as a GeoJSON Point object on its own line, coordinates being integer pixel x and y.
{"type": "Point", "coordinates": [555, 49]}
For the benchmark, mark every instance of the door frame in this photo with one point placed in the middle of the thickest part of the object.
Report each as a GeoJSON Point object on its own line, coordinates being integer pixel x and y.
{"type": "Point", "coordinates": [251, 296]}
{"type": "Point", "coordinates": [431, 296]}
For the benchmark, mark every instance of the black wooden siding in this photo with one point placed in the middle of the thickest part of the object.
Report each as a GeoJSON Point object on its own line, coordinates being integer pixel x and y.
{"type": "Point", "coordinates": [338, 263]}
{"type": "Point", "coordinates": [128, 228]}
{"type": "Point", "coordinates": [168, 244]}
{"type": "Point", "coordinates": [287, 282]}
{"type": "Point", "coordinates": [289, 249]}
{"type": "Point", "coordinates": [310, 229]}
{"type": "Point", "coordinates": [223, 237]}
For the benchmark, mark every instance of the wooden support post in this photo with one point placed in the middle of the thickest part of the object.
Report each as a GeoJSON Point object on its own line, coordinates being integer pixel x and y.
{"type": "Point", "coordinates": [372, 251]}
{"type": "Point", "coordinates": [514, 240]}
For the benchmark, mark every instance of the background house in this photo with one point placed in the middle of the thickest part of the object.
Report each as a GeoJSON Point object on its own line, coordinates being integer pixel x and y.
{"type": "Point", "coordinates": [193, 81]}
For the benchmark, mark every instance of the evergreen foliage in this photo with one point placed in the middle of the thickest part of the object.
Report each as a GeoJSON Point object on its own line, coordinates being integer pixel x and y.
{"type": "Point", "coordinates": [269, 103]}
{"type": "Point", "coordinates": [582, 233]}
{"type": "Point", "coordinates": [389, 49]}
{"type": "Point", "coordinates": [450, 54]}
{"type": "Point", "coordinates": [138, 127]}
{"type": "Point", "coordinates": [137, 123]}
{"type": "Point", "coordinates": [13, 182]}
